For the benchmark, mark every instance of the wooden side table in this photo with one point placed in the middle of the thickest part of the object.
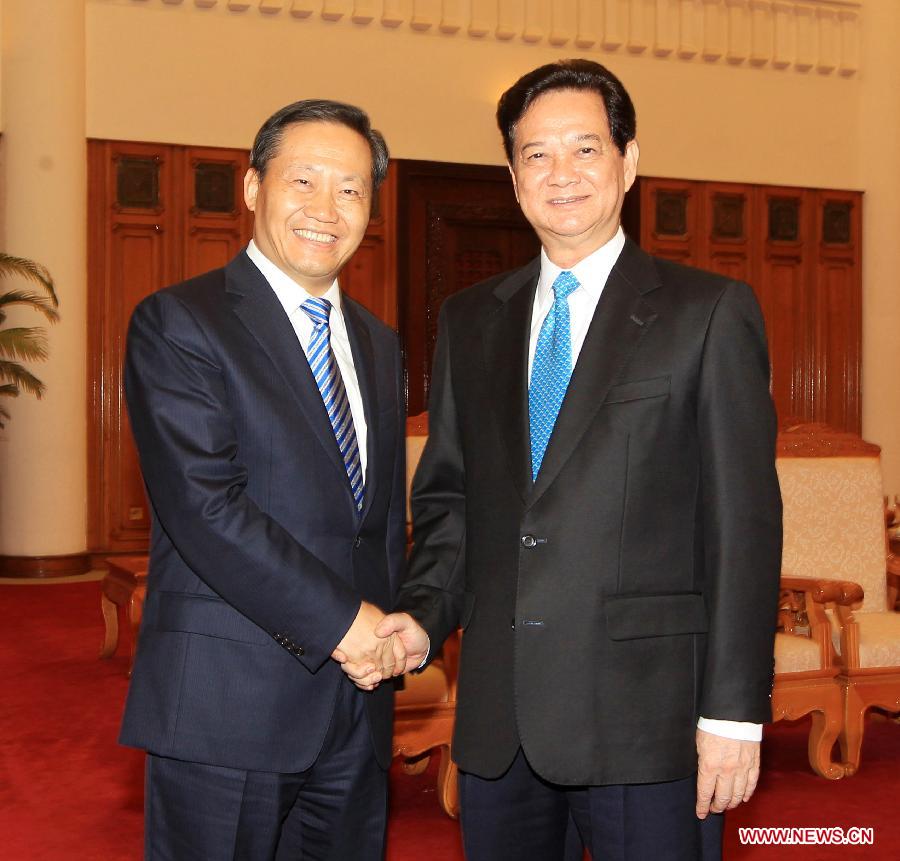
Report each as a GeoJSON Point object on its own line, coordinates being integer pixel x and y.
{"type": "Point", "coordinates": [125, 586]}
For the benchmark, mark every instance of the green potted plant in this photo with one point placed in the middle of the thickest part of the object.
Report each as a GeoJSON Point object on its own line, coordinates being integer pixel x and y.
{"type": "Point", "coordinates": [23, 343]}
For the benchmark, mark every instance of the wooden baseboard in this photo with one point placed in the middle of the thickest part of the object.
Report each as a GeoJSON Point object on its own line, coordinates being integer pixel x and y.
{"type": "Point", "coordinates": [45, 566]}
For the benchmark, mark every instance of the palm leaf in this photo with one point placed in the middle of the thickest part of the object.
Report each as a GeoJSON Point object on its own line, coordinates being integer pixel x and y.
{"type": "Point", "coordinates": [33, 300]}
{"type": "Point", "coordinates": [25, 268]}
{"type": "Point", "coordinates": [22, 378]}
{"type": "Point", "coordinates": [21, 343]}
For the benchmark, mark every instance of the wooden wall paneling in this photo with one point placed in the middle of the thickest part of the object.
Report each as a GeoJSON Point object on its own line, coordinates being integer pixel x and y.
{"type": "Point", "coordinates": [727, 245]}
{"type": "Point", "coordinates": [132, 187]}
{"type": "Point", "coordinates": [211, 201]}
{"type": "Point", "coordinates": [371, 275]}
{"type": "Point", "coordinates": [457, 224]}
{"type": "Point", "coordinates": [838, 311]}
{"type": "Point", "coordinates": [670, 215]}
{"type": "Point", "coordinates": [784, 221]}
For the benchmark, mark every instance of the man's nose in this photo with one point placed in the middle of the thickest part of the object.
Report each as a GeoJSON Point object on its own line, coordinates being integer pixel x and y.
{"type": "Point", "coordinates": [563, 172]}
{"type": "Point", "coordinates": [320, 205]}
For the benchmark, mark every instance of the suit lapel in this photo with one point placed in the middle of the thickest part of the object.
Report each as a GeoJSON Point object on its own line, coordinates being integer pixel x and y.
{"type": "Point", "coordinates": [258, 308]}
{"type": "Point", "coordinates": [505, 338]}
{"type": "Point", "coordinates": [364, 364]}
{"type": "Point", "coordinates": [621, 320]}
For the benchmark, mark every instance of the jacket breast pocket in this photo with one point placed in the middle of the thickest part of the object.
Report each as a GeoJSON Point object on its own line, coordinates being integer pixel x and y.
{"type": "Point", "coordinates": [633, 617]}
{"type": "Point", "coordinates": [638, 390]}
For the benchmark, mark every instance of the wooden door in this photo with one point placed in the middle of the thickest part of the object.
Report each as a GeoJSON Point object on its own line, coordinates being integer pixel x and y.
{"type": "Point", "coordinates": [456, 225]}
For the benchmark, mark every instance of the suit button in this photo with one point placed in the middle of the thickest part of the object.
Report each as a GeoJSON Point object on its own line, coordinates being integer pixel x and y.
{"type": "Point", "coordinates": [357, 541]}
{"type": "Point", "coordinates": [512, 624]}
{"type": "Point", "coordinates": [528, 541]}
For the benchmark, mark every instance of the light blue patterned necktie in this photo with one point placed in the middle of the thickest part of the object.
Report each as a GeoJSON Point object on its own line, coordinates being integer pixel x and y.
{"type": "Point", "coordinates": [325, 369]}
{"type": "Point", "coordinates": [550, 370]}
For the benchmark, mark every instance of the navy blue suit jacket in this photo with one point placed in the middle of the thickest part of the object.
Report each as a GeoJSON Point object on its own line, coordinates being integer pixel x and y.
{"type": "Point", "coordinates": [258, 558]}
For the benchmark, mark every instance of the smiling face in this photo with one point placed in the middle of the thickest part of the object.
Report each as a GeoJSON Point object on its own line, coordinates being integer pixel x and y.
{"type": "Point", "coordinates": [570, 178]}
{"type": "Point", "coordinates": [312, 204]}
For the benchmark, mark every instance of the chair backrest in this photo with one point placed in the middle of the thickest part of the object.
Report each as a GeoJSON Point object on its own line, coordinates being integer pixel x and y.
{"type": "Point", "coordinates": [416, 436]}
{"type": "Point", "coordinates": [833, 509]}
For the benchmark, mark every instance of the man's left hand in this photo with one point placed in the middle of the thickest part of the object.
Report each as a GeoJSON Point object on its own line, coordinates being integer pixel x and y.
{"type": "Point", "coordinates": [727, 772]}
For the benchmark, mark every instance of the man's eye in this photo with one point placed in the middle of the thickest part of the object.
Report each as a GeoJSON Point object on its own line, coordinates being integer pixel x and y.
{"type": "Point", "coordinates": [534, 156]}
{"type": "Point", "coordinates": [301, 181]}
{"type": "Point", "coordinates": [350, 192]}
{"type": "Point", "coordinates": [587, 150]}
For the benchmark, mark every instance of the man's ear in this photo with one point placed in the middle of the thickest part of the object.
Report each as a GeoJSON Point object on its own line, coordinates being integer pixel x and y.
{"type": "Point", "coordinates": [251, 188]}
{"type": "Point", "coordinates": [512, 174]}
{"type": "Point", "coordinates": [631, 158]}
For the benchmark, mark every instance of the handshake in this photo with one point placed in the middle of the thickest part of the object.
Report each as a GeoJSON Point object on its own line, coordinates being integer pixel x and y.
{"type": "Point", "coordinates": [380, 646]}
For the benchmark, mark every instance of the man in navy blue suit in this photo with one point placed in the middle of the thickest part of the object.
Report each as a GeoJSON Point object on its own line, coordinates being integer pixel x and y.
{"type": "Point", "coordinates": [268, 412]}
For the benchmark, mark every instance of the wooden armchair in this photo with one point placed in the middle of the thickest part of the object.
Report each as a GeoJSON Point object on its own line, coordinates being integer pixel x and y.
{"type": "Point", "coordinates": [835, 529]}
{"type": "Point", "coordinates": [806, 665]}
{"type": "Point", "coordinates": [425, 708]}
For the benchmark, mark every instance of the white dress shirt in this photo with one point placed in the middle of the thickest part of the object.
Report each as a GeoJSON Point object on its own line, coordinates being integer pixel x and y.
{"type": "Point", "coordinates": [592, 274]}
{"type": "Point", "coordinates": [292, 296]}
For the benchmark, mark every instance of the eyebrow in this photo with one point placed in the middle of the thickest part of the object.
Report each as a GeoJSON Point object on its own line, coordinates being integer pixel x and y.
{"type": "Point", "coordinates": [294, 165]}
{"type": "Point", "coordinates": [588, 136]}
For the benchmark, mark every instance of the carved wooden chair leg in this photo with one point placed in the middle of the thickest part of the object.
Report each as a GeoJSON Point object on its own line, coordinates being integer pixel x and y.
{"type": "Point", "coordinates": [135, 610]}
{"type": "Point", "coordinates": [852, 733]}
{"type": "Point", "coordinates": [111, 625]}
{"type": "Point", "coordinates": [826, 727]}
{"type": "Point", "coordinates": [448, 790]}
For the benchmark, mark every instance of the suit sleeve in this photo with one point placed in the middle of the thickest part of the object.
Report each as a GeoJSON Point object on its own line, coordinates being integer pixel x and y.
{"type": "Point", "coordinates": [178, 406]}
{"type": "Point", "coordinates": [740, 510]}
{"type": "Point", "coordinates": [433, 591]}
{"type": "Point", "coordinates": [396, 527]}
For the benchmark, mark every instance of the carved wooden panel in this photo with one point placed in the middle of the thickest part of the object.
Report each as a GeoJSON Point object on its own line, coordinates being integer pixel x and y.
{"type": "Point", "coordinates": [784, 222]}
{"type": "Point", "coordinates": [460, 224]}
{"type": "Point", "coordinates": [838, 311]}
{"type": "Point", "coordinates": [217, 223]}
{"type": "Point", "coordinates": [800, 251]}
{"type": "Point", "coordinates": [670, 217]}
{"type": "Point", "coordinates": [131, 226]}
{"type": "Point", "coordinates": [727, 213]}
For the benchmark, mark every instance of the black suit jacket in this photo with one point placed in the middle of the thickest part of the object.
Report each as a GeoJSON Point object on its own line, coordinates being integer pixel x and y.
{"type": "Point", "coordinates": [634, 585]}
{"type": "Point", "coordinates": [258, 558]}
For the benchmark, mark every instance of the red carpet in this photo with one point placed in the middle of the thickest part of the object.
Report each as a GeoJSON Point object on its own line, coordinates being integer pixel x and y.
{"type": "Point", "coordinates": [68, 791]}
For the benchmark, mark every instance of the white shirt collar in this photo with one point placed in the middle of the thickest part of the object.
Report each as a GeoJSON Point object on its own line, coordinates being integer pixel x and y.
{"type": "Point", "coordinates": [289, 292]}
{"type": "Point", "coordinates": [592, 272]}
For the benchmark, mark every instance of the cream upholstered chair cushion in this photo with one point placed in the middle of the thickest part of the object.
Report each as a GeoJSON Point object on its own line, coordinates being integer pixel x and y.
{"type": "Point", "coordinates": [794, 654]}
{"type": "Point", "coordinates": [834, 523]}
{"type": "Point", "coordinates": [879, 639]}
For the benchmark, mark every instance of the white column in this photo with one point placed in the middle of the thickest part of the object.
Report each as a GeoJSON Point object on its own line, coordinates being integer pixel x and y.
{"type": "Point", "coordinates": [43, 176]}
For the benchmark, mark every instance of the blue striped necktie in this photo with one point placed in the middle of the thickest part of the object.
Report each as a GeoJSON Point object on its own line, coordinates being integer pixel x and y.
{"type": "Point", "coordinates": [550, 370]}
{"type": "Point", "coordinates": [325, 369]}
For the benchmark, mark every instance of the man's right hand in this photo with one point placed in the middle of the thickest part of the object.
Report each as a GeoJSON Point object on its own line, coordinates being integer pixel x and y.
{"type": "Point", "coordinates": [360, 646]}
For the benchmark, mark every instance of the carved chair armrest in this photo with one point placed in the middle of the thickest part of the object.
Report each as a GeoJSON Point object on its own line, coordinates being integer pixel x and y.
{"type": "Point", "coordinates": [823, 591]}
{"type": "Point", "coordinates": [801, 609]}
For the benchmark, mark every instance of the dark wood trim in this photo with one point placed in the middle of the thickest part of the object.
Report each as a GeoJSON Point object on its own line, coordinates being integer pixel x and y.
{"type": "Point", "coordinates": [45, 566]}
{"type": "Point", "coordinates": [101, 560]}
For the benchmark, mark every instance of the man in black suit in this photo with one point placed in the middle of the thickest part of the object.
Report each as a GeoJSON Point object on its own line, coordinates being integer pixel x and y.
{"type": "Point", "coordinates": [268, 411]}
{"type": "Point", "coordinates": [597, 506]}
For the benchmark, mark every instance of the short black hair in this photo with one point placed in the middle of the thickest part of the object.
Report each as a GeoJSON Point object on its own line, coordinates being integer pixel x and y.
{"type": "Point", "coordinates": [574, 74]}
{"type": "Point", "coordinates": [268, 138]}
